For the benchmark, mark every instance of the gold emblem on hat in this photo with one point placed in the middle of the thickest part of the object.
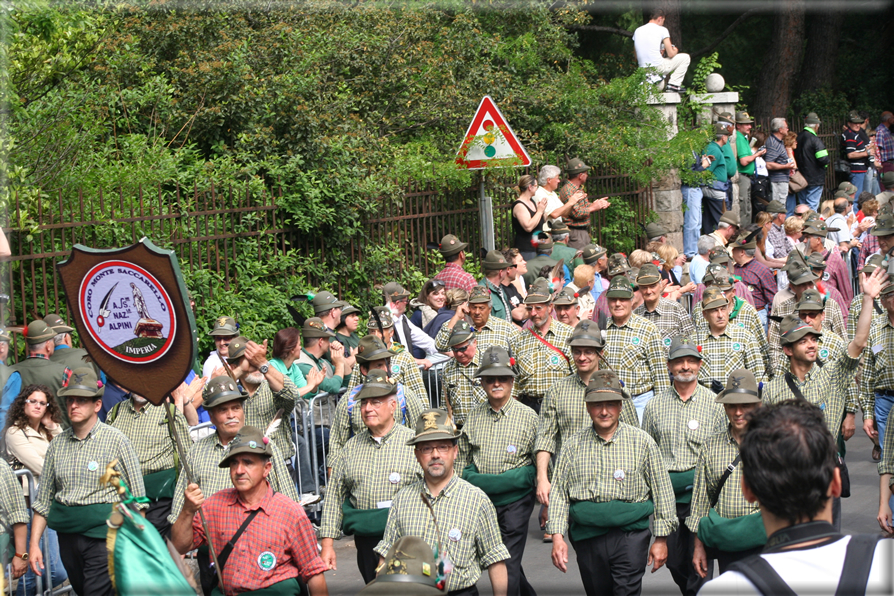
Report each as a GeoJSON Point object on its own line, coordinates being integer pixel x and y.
{"type": "Point", "coordinates": [397, 567]}
{"type": "Point", "coordinates": [431, 421]}
{"type": "Point", "coordinates": [221, 321]}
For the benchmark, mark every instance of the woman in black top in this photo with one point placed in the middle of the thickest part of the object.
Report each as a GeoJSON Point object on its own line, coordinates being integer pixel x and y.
{"type": "Point", "coordinates": [527, 217]}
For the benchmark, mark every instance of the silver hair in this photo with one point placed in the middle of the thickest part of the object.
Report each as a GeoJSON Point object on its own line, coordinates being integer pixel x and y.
{"type": "Point", "coordinates": [722, 225]}
{"type": "Point", "coordinates": [776, 124]}
{"type": "Point", "coordinates": [704, 245]}
{"type": "Point", "coordinates": [559, 237]}
{"type": "Point", "coordinates": [59, 339]}
{"type": "Point", "coordinates": [547, 172]}
{"type": "Point", "coordinates": [749, 252]}
{"type": "Point", "coordinates": [815, 127]}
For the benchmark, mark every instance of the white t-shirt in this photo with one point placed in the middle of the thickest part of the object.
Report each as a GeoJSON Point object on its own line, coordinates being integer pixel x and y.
{"type": "Point", "coordinates": [810, 571]}
{"type": "Point", "coordinates": [552, 200]}
{"type": "Point", "coordinates": [212, 363]}
{"type": "Point", "coordinates": [647, 41]}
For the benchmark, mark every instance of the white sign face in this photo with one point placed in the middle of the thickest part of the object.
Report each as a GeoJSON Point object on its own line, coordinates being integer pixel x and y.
{"type": "Point", "coordinates": [490, 142]}
{"type": "Point", "coordinates": [127, 311]}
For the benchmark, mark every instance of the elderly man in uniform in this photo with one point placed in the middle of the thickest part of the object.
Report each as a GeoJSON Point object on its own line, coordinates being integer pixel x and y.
{"type": "Point", "coordinates": [224, 403]}
{"type": "Point", "coordinates": [544, 248]}
{"type": "Point", "coordinates": [566, 307]}
{"type": "Point", "coordinates": [542, 351]}
{"type": "Point", "coordinates": [818, 265]}
{"type": "Point", "coordinates": [719, 256]}
{"type": "Point", "coordinates": [401, 364]}
{"type": "Point", "coordinates": [561, 236]}
{"type": "Point", "coordinates": [578, 217]}
{"type": "Point", "coordinates": [64, 351]}
{"type": "Point", "coordinates": [759, 279]}
{"type": "Point", "coordinates": [496, 454]}
{"type": "Point", "coordinates": [617, 265]}
{"type": "Point", "coordinates": [681, 419]}
{"type": "Point", "coordinates": [453, 275]}
{"type": "Point", "coordinates": [725, 347]}
{"type": "Point", "coordinates": [462, 391]}
{"type": "Point", "coordinates": [667, 315]}
{"type": "Point", "coordinates": [609, 479]}
{"type": "Point", "coordinates": [727, 526]}
{"type": "Point", "coordinates": [489, 330]}
{"type": "Point", "coordinates": [727, 229]}
{"type": "Point", "coordinates": [36, 369]}
{"type": "Point", "coordinates": [370, 469]}
{"type": "Point", "coordinates": [70, 498]}
{"type": "Point", "coordinates": [633, 347]}
{"type": "Point", "coordinates": [877, 380]}
{"type": "Point", "coordinates": [224, 331]}
{"type": "Point", "coordinates": [814, 241]}
{"type": "Point", "coordinates": [147, 427]}
{"type": "Point", "coordinates": [447, 512]}
{"type": "Point", "coordinates": [274, 551]}
{"type": "Point", "coordinates": [496, 268]}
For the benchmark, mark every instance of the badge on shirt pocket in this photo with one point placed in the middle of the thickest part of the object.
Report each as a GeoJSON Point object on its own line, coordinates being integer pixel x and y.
{"type": "Point", "coordinates": [266, 561]}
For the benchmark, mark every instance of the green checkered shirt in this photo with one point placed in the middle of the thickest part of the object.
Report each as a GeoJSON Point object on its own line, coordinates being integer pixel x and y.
{"type": "Point", "coordinates": [461, 389]}
{"type": "Point", "coordinates": [717, 453]}
{"type": "Point", "coordinates": [586, 472]}
{"type": "Point", "coordinates": [73, 467]}
{"type": "Point", "coordinates": [733, 349]}
{"type": "Point", "coordinates": [853, 314]}
{"type": "Point", "coordinates": [746, 318]}
{"type": "Point", "coordinates": [261, 407]}
{"type": "Point", "coordinates": [834, 322]}
{"type": "Point", "coordinates": [149, 434]}
{"type": "Point", "coordinates": [467, 522]}
{"type": "Point", "coordinates": [670, 318]}
{"type": "Point", "coordinates": [404, 370]}
{"type": "Point", "coordinates": [495, 332]}
{"type": "Point", "coordinates": [497, 442]}
{"type": "Point", "coordinates": [370, 472]}
{"type": "Point", "coordinates": [826, 387]}
{"type": "Point", "coordinates": [540, 366]}
{"type": "Point", "coordinates": [636, 353]}
{"type": "Point", "coordinates": [670, 421]}
{"type": "Point", "coordinates": [886, 464]}
{"type": "Point", "coordinates": [878, 372]}
{"type": "Point", "coordinates": [204, 457]}
{"type": "Point", "coordinates": [12, 500]}
{"type": "Point", "coordinates": [564, 413]}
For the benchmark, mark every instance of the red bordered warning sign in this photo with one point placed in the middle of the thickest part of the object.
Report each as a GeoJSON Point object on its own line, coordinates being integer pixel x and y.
{"type": "Point", "coordinates": [490, 142]}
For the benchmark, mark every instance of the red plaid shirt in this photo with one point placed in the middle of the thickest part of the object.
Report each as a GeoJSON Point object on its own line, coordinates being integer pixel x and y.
{"type": "Point", "coordinates": [281, 529]}
{"type": "Point", "coordinates": [760, 280]}
{"type": "Point", "coordinates": [870, 247]}
{"type": "Point", "coordinates": [453, 276]}
{"type": "Point", "coordinates": [580, 214]}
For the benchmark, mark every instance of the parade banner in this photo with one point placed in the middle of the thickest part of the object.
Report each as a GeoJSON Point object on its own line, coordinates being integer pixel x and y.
{"type": "Point", "coordinates": [132, 313]}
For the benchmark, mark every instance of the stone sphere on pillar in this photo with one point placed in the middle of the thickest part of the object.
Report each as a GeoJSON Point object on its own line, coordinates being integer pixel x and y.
{"type": "Point", "coordinates": [714, 83]}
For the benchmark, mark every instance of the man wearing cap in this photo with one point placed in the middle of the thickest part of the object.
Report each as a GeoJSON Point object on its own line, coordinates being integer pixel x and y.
{"type": "Point", "coordinates": [597, 257]}
{"type": "Point", "coordinates": [147, 427]}
{"type": "Point", "coordinates": [633, 347]}
{"type": "Point", "coordinates": [853, 312]}
{"type": "Point", "coordinates": [462, 390]}
{"type": "Point", "coordinates": [818, 265]}
{"type": "Point", "coordinates": [224, 331]}
{"type": "Point", "coordinates": [411, 337]}
{"type": "Point", "coordinates": [881, 236]}
{"type": "Point", "coordinates": [728, 527]}
{"type": "Point", "coordinates": [447, 512]}
{"type": "Point", "coordinates": [543, 248]}
{"type": "Point", "coordinates": [70, 498]}
{"type": "Point", "coordinates": [715, 194]}
{"type": "Point", "coordinates": [877, 379]}
{"type": "Point", "coordinates": [778, 165]}
{"type": "Point", "coordinates": [36, 369]}
{"type": "Point", "coordinates": [409, 569]}
{"type": "Point", "coordinates": [812, 160]}
{"type": "Point", "coordinates": [560, 232]}
{"type": "Point", "coordinates": [318, 341]}
{"type": "Point", "coordinates": [719, 258]}
{"type": "Point", "coordinates": [566, 307]}
{"type": "Point", "coordinates": [541, 350]}
{"type": "Point", "coordinates": [609, 479]}
{"type": "Point", "coordinates": [727, 229]}
{"type": "Point", "coordinates": [328, 308]}
{"type": "Point", "coordinates": [490, 331]}
{"type": "Point", "coordinates": [814, 237]}
{"type": "Point", "coordinates": [745, 162]}
{"type": "Point", "coordinates": [725, 347]}
{"type": "Point", "coordinates": [578, 218]}
{"type": "Point", "coordinates": [346, 330]}
{"type": "Point", "coordinates": [655, 232]}
{"type": "Point", "coordinates": [496, 454]}
{"type": "Point", "coordinates": [369, 470]}
{"type": "Point", "coordinates": [757, 276]}
{"type": "Point", "coordinates": [667, 315]}
{"type": "Point", "coordinates": [681, 419]}
{"type": "Point", "coordinates": [617, 265]}
{"type": "Point", "coordinates": [64, 353]}
{"type": "Point", "coordinates": [275, 549]}
{"type": "Point", "coordinates": [855, 149]}
{"type": "Point", "coordinates": [401, 366]}
{"type": "Point", "coordinates": [453, 275]}
{"type": "Point", "coordinates": [224, 404]}
{"type": "Point", "coordinates": [496, 268]}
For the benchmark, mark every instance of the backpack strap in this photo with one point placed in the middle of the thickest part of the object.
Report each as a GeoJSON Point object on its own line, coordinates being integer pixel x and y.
{"type": "Point", "coordinates": [760, 573]}
{"type": "Point", "coordinates": [857, 562]}
{"type": "Point", "coordinates": [113, 413]}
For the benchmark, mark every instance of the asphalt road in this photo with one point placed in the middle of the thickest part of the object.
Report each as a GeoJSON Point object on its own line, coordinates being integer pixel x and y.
{"type": "Point", "coordinates": [858, 515]}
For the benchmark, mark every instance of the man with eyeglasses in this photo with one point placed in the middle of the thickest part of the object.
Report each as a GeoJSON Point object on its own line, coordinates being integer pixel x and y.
{"type": "Point", "coordinates": [411, 337]}
{"type": "Point", "coordinates": [224, 331]}
{"type": "Point", "coordinates": [70, 499]}
{"type": "Point", "coordinates": [462, 390]}
{"type": "Point", "coordinates": [496, 454]}
{"type": "Point", "coordinates": [371, 468]}
{"type": "Point", "coordinates": [667, 315]}
{"type": "Point", "coordinates": [489, 331]}
{"type": "Point", "coordinates": [451, 515]}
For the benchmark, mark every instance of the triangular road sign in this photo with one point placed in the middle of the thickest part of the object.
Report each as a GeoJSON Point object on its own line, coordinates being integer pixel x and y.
{"type": "Point", "coordinates": [490, 142]}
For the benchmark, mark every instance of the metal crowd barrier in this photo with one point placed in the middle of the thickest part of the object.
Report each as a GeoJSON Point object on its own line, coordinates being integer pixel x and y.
{"type": "Point", "coordinates": [433, 378]}
{"type": "Point", "coordinates": [307, 418]}
{"type": "Point", "coordinates": [198, 431]}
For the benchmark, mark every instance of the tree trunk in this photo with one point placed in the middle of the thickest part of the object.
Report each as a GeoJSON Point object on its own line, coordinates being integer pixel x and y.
{"type": "Point", "coordinates": [822, 50]}
{"type": "Point", "coordinates": [672, 22]}
{"type": "Point", "coordinates": [782, 61]}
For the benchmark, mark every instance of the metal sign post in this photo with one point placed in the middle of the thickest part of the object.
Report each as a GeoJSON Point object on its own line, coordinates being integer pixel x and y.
{"type": "Point", "coordinates": [486, 208]}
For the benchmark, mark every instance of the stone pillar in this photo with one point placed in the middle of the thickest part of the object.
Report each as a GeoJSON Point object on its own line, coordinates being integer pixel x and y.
{"type": "Point", "coordinates": [666, 103]}
{"type": "Point", "coordinates": [669, 207]}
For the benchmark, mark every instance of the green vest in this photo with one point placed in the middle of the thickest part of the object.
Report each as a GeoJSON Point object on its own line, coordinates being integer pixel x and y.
{"type": "Point", "coordinates": [562, 251]}
{"type": "Point", "coordinates": [535, 265]}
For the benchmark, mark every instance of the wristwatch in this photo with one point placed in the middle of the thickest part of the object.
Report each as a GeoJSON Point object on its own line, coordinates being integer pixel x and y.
{"type": "Point", "coordinates": [22, 556]}
{"type": "Point", "coordinates": [264, 368]}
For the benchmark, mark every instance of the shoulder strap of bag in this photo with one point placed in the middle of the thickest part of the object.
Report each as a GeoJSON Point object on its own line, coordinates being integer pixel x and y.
{"type": "Point", "coordinates": [763, 576]}
{"type": "Point", "coordinates": [228, 548]}
{"type": "Point", "coordinates": [857, 562]}
{"type": "Point", "coordinates": [113, 413]}
{"type": "Point", "coordinates": [790, 381]}
{"type": "Point", "coordinates": [726, 473]}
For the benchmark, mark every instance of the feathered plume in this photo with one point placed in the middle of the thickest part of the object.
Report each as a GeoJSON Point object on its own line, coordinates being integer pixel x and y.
{"type": "Point", "coordinates": [274, 424]}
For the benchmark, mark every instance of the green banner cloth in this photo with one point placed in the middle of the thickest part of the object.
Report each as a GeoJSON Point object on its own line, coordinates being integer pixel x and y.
{"type": "Point", "coordinates": [287, 587]}
{"type": "Point", "coordinates": [88, 520]}
{"type": "Point", "coordinates": [160, 485]}
{"type": "Point", "coordinates": [505, 488]}
{"type": "Point", "coordinates": [732, 535]}
{"type": "Point", "coordinates": [682, 483]}
{"type": "Point", "coordinates": [363, 522]}
{"type": "Point", "coordinates": [589, 519]}
{"type": "Point", "coordinates": [140, 563]}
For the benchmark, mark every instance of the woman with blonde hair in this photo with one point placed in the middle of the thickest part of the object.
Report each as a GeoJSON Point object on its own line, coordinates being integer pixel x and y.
{"type": "Point", "coordinates": [583, 278]}
{"type": "Point", "coordinates": [765, 251]}
{"type": "Point", "coordinates": [527, 217]}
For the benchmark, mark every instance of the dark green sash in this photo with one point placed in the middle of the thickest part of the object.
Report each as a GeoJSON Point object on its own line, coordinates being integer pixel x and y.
{"type": "Point", "coordinates": [505, 488]}
{"type": "Point", "coordinates": [160, 485]}
{"type": "Point", "coordinates": [732, 535]}
{"type": "Point", "coordinates": [87, 520]}
{"type": "Point", "coordinates": [363, 522]}
{"type": "Point", "coordinates": [589, 519]}
{"type": "Point", "coordinates": [682, 483]}
{"type": "Point", "coordinates": [287, 587]}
